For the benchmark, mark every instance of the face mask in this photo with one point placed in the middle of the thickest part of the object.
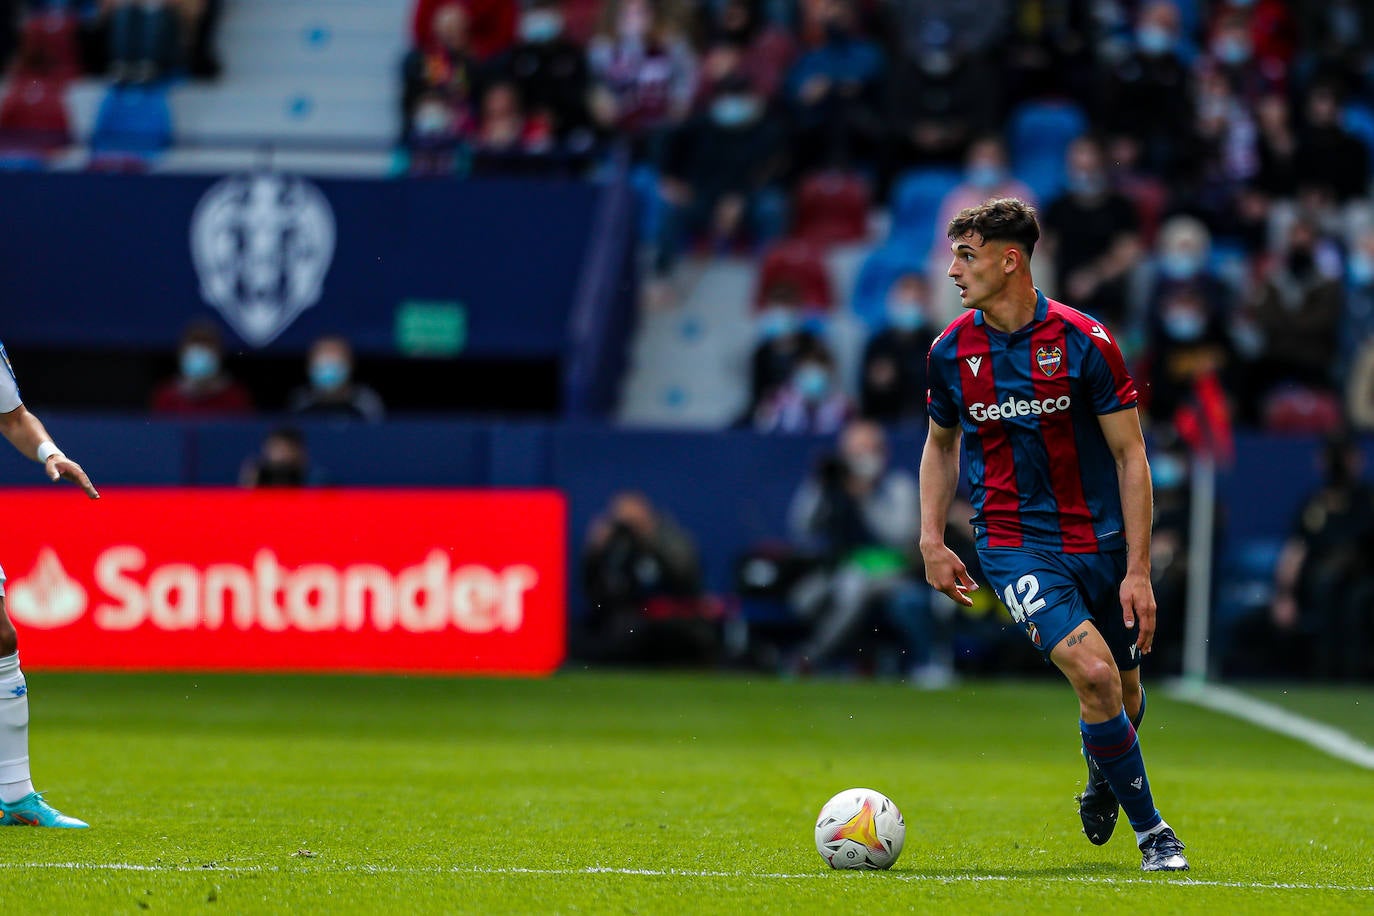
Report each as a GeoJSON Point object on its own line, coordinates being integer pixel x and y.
{"type": "Point", "coordinates": [1299, 262]}
{"type": "Point", "coordinates": [541, 26]}
{"type": "Point", "coordinates": [1180, 265]}
{"type": "Point", "coordinates": [281, 474]}
{"type": "Point", "coordinates": [777, 321]}
{"type": "Point", "coordinates": [1232, 51]}
{"type": "Point", "coordinates": [1168, 471]}
{"type": "Point", "coordinates": [432, 119]}
{"type": "Point", "coordinates": [199, 363]}
{"type": "Point", "coordinates": [1154, 40]}
{"type": "Point", "coordinates": [1087, 184]}
{"type": "Point", "coordinates": [1185, 324]}
{"type": "Point", "coordinates": [866, 467]}
{"type": "Point", "coordinates": [812, 382]}
{"type": "Point", "coordinates": [984, 175]}
{"type": "Point", "coordinates": [328, 374]}
{"type": "Point", "coordinates": [734, 110]}
{"type": "Point", "coordinates": [906, 316]}
{"type": "Point", "coordinates": [1361, 269]}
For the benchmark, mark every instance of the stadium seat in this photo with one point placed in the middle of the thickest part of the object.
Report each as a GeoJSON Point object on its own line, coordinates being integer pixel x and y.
{"type": "Point", "coordinates": [800, 263]}
{"type": "Point", "coordinates": [916, 202]}
{"type": "Point", "coordinates": [1039, 135]}
{"type": "Point", "coordinates": [880, 270]}
{"type": "Point", "coordinates": [1359, 120]}
{"type": "Point", "coordinates": [48, 48]}
{"type": "Point", "coordinates": [33, 116]}
{"type": "Point", "coordinates": [832, 207]}
{"type": "Point", "coordinates": [133, 120]}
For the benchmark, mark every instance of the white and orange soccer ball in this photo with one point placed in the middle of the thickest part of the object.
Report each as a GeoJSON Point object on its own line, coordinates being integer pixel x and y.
{"type": "Point", "coordinates": [860, 828]}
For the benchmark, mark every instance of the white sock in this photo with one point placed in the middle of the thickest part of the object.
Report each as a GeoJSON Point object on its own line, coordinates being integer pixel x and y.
{"type": "Point", "coordinates": [1140, 837]}
{"type": "Point", "coordinates": [14, 731]}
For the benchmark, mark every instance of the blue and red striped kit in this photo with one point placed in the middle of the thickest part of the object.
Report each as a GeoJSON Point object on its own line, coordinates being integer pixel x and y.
{"type": "Point", "coordinates": [1039, 469]}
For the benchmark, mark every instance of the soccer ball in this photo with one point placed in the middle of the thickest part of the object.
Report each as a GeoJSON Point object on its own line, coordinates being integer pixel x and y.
{"type": "Point", "coordinates": [860, 828]}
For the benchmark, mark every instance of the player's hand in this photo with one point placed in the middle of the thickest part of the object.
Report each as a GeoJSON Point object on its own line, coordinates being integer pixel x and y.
{"type": "Point", "coordinates": [1138, 607]}
{"type": "Point", "coordinates": [60, 467]}
{"type": "Point", "coordinates": [947, 573]}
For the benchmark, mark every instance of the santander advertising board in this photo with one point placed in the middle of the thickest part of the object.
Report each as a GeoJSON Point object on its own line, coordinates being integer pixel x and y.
{"type": "Point", "coordinates": [339, 580]}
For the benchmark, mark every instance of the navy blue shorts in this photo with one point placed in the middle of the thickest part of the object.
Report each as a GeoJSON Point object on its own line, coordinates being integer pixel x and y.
{"type": "Point", "coordinates": [1050, 594]}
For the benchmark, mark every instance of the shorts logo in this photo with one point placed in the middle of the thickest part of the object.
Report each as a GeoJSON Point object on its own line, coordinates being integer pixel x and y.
{"type": "Point", "coordinates": [1034, 634]}
{"type": "Point", "coordinates": [1048, 359]}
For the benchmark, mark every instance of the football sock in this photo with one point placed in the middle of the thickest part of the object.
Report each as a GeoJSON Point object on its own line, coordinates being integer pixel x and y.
{"type": "Point", "coordinates": [1113, 745]}
{"type": "Point", "coordinates": [1140, 713]}
{"type": "Point", "coordinates": [14, 731]}
{"type": "Point", "coordinates": [1140, 835]}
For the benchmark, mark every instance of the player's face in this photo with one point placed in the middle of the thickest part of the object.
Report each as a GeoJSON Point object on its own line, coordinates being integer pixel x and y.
{"type": "Point", "coordinates": [978, 269]}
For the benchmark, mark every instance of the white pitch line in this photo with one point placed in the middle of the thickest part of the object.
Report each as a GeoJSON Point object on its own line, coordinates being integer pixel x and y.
{"type": "Point", "coordinates": [684, 873]}
{"type": "Point", "coordinates": [1316, 734]}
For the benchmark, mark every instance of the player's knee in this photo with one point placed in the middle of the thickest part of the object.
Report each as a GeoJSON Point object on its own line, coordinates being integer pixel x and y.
{"type": "Point", "coordinates": [1099, 685]}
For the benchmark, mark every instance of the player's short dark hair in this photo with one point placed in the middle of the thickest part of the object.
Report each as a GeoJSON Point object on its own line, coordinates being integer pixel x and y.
{"type": "Point", "coordinates": [1005, 219]}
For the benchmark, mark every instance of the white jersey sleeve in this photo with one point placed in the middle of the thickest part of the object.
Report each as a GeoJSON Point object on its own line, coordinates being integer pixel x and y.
{"type": "Point", "coordinates": [9, 386]}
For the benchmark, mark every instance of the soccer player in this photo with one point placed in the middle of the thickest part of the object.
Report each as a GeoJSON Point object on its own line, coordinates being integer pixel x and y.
{"type": "Point", "coordinates": [20, 805]}
{"type": "Point", "coordinates": [1040, 397]}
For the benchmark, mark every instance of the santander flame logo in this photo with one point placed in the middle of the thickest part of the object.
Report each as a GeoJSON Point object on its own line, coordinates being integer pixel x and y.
{"type": "Point", "coordinates": [47, 597]}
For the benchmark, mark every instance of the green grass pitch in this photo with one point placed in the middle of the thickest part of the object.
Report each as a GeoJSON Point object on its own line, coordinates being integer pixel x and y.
{"type": "Point", "coordinates": [647, 794]}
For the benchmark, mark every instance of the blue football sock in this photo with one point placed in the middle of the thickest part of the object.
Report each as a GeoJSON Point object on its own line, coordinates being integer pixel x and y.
{"type": "Point", "coordinates": [1113, 745]}
{"type": "Point", "coordinates": [1140, 713]}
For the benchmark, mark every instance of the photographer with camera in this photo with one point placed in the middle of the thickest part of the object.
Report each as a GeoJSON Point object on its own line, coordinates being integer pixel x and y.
{"type": "Point", "coordinates": [861, 516]}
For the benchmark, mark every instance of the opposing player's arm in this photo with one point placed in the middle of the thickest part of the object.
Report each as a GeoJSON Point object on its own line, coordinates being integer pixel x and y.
{"type": "Point", "coordinates": [26, 433]}
{"type": "Point", "coordinates": [939, 480]}
{"type": "Point", "coordinates": [1122, 430]}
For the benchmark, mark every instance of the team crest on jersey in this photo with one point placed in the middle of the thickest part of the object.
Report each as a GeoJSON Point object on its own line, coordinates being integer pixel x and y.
{"type": "Point", "coordinates": [1048, 359]}
{"type": "Point", "coordinates": [262, 245]}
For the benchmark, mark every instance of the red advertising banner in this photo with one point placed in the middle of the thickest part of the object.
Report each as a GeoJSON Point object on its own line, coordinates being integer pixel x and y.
{"type": "Point", "coordinates": [330, 580]}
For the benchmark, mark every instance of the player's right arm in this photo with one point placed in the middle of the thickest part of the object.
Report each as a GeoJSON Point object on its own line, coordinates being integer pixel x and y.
{"type": "Point", "coordinates": [939, 481]}
{"type": "Point", "coordinates": [26, 433]}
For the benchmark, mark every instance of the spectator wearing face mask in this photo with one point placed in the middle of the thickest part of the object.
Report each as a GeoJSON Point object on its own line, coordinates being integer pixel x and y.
{"type": "Point", "coordinates": [720, 171]}
{"type": "Point", "coordinates": [440, 85]}
{"type": "Point", "coordinates": [1156, 69]}
{"type": "Point", "coordinates": [1298, 311]}
{"type": "Point", "coordinates": [811, 401]}
{"type": "Point", "coordinates": [283, 461]}
{"type": "Point", "coordinates": [1328, 155]}
{"type": "Point", "coordinates": [833, 90]}
{"type": "Point", "coordinates": [1093, 234]}
{"type": "Point", "coordinates": [783, 339]}
{"type": "Point", "coordinates": [550, 71]}
{"type": "Point", "coordinates": [332, 393]}
{"type": "Point", "coordinates": [893, 374]}
{"type": "Point", "coordinates": [739, 43]}
{"type": "Point", "coordinates": [201, 386]}
{"type": "Point", "coordinates": [1188, 311]}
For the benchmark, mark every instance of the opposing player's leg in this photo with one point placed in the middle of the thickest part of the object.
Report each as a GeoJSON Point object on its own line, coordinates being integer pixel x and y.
{"type": "Point", "coordinates": [1110, 741]}
{"type": "Point", "coordinates": [20, 805]}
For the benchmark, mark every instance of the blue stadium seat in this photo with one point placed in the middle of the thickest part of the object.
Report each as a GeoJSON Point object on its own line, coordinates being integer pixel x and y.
{"type": "Point", "coordinates": [916, 202]}
{"type": "Point", "coordinates": [133, 120]}
{"type": "Point", "coordinates": [880, 270]}
{"type": "Point", "coordinates": [1039, 135]}
{"type": "Point", "coordinates": [1359, 120]}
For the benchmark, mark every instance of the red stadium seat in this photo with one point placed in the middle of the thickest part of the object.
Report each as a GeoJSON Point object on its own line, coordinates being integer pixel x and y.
{"type": "Point", "coordinates": [800, 264]}
{"type": "Point", "coordinates": [833, 207]}
{"type": "Point", "coordinates": [48, 49]}
{"type": "Point", "coordinates": [33, 115]}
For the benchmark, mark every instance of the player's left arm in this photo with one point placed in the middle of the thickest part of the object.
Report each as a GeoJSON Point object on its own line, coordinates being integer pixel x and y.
{"type": "Point", "coordinates": [1122, 429]}
{"type": "Point", "coordinates": [26, 433]}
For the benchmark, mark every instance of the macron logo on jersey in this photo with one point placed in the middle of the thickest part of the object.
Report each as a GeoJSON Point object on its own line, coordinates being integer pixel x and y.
{"type": "Point", "coordinates": [1017, 407]}
{"type": "Point", "coordinates": [974, 364]}
{"type": "Point", "coordinates": [1098, 332]}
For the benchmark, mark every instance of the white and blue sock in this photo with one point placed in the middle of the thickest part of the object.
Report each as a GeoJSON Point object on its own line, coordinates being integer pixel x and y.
{"type": "Point", "coordinates": [15, 781]}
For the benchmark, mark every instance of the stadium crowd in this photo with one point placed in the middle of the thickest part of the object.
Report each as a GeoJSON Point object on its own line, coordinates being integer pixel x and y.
{"type": "Point", "coordinates": [1202, 169]}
